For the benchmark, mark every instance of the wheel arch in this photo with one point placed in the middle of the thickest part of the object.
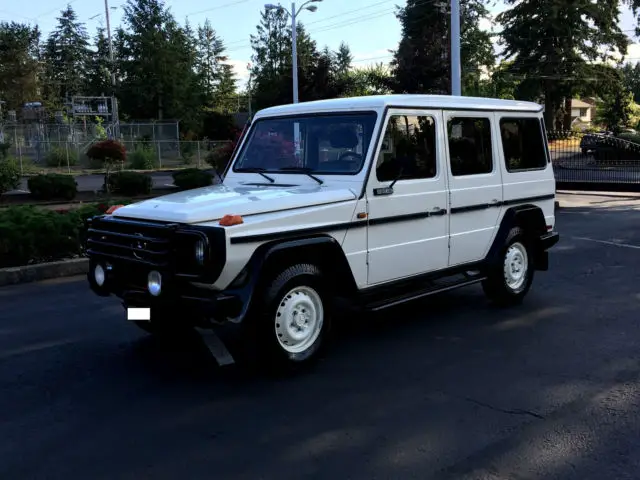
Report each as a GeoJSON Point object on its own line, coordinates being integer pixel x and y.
{"type": "Point", "coordinates": [269, 258]}
{"type": "Point", "coordinates": [530, 218]}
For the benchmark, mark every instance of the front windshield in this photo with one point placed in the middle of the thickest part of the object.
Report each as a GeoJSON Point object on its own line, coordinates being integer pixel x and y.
{"type": "Point", "coordinates": [322, 144]}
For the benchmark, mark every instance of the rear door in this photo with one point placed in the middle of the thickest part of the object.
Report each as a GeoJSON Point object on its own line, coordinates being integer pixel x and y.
{"type": "Point", "coordinates": [475, 184]}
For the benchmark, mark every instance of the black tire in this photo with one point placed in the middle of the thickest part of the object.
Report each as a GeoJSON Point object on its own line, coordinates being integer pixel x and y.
{"type": "Point", "coordinates": [266, 332]}
{"type": "Point", "coordinates": [496, 287]}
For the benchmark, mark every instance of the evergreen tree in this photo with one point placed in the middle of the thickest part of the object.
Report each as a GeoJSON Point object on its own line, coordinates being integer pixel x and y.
{"type": "Point", "coordinates": [421, 63]}
{"type": "Point", "coordinates": [66, 55]}
{"type": "Point", "coordinates": [157, 62]}
{"type": "Point", "coordinates": [99, 68]}
{"type": "Point", "coordinates": [19, 70]}
{"type": "Point", "coordinates": [343, 59]}
{"type": "Point", "coordinates": [553, 43]}
{"type": "Point", "coordinates": [209, 65]}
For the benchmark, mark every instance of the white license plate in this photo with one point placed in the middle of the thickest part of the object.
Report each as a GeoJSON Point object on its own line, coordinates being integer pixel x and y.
{"type": "Point", "coordinates": [139, 314]}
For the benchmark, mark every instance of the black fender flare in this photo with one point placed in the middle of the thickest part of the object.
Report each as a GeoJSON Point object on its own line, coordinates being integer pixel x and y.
{"type": "Point", "coordinates": [321, 248]}
{"type": "Point", "coordinates": [531, 219]}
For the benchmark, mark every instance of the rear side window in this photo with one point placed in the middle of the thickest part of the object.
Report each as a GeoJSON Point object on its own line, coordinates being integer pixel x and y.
{"type": "Point", "coordinates": [470, 149]}
{"type": "Point", "coordinates": [523, 144]}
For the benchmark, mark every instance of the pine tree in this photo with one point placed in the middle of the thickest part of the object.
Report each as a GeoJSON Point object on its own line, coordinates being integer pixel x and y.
{"type": "Point", "coordinates": [209, 63]}
{"type": "Point", "coordinates": [343, 59]}
{"type": "Point", "coordinates": [421, 63]}
{"type": "Point", "coordinates": [99, 68]}
{"type": "Point", "coordinates": [19, 69]}
{"type": "Point", "coordinates": [553, 43]}
{"type": "Point", "coordinates": [66, 55]}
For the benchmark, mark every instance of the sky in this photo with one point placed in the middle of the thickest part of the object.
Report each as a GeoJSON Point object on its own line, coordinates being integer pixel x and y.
{"type": "Point", "coordinates": [369, 27]}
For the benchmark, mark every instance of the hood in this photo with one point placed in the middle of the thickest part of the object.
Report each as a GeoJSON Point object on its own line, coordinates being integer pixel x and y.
{"type": "Point", "coordinates": [211, 203]}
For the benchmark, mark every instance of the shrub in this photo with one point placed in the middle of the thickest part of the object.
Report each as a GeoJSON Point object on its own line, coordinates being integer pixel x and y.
{"type": "Point", "coordinates": [61, 157]}
{"type": "Point", "coordinates": [9, 175]}
{"type": "Point", "coordinates": [130, 183]}
{"type": "Point", "coordinates": [192, 178]}
{"type": "Point", "coordinates": [142, 158]}
{"type": "Point", "coordinates": [30, 235]}
{"type": "Point", "coordinates": [53, 186]}
{"type": "Point", "coordinates": [110, 153]}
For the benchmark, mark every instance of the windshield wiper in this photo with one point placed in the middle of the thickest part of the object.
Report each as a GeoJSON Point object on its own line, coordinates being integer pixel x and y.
{"type": "Point", "coordinates": [258, 170]}
{"type": "Point", "coordinates": [306, 170]}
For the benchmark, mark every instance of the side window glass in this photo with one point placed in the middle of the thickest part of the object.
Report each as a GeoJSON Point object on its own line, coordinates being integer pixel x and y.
{"type": "Point", "coordinates": [522, 144]}
{"type": "Point", "coordinates": [408, 149]}
{"type": "Point", "coordinates": [470, 146]}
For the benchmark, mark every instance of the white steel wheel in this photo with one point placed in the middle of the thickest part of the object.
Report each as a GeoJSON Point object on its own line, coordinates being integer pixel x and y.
{"type": "Point", "coordinates": [299, 319]}
{"type": "Point", "coordinates": [516, 267]}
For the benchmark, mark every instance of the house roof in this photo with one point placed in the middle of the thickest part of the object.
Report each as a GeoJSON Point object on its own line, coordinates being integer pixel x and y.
{"type": "Point", "coordinates": [575, 103]}
{"type": "Point", "coordinates": [378, 102]}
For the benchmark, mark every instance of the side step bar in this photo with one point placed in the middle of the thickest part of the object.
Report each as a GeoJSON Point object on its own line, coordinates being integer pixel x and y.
{"type": "Point", "coordinates": [418, 294]}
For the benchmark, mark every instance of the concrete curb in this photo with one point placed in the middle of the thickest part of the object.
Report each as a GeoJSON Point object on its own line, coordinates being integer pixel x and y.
{"type": "Point", "coordinates": [43, 271]}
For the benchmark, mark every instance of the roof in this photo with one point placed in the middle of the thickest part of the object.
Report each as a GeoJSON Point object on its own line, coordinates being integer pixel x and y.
{"type": "Point", "coordinates": [580, 104]}
{"type": "Point", "coordinates": [376, 102]}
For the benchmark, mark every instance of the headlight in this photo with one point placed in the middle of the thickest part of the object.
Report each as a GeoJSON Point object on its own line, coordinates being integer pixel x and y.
{"type": "Point", "coordinates": [199, 252]}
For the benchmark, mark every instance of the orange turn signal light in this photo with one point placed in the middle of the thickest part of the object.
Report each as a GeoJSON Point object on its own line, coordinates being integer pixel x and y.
{"type": "Point", "coordinates": [113, 208]}
{"type": "Point", "coordinates": [231, 220]}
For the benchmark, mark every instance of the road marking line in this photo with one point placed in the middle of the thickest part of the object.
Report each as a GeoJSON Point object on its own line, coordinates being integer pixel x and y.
{"type": "Point", "coordinates": [606, 242]}
{"type": "Point", "coordinates": [216, 347]}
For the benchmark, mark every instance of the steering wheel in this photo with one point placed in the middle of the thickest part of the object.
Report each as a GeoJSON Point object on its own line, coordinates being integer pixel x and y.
{"type": "Point", "coordinates": [356, 156]}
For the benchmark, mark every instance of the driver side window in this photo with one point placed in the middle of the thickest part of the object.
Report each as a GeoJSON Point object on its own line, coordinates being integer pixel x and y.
{"type": "Point", "coordinates": [408, 149]}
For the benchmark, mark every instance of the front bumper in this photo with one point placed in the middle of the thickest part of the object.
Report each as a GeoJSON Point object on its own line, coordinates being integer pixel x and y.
{"type": "Point", "coordinates": [178, 298]}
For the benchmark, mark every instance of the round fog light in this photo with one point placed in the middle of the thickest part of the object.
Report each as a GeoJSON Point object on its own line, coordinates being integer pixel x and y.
{"type": "Point", "coordinates": [154, 283]}
{"type": "Point", "coordinates": [98, 275]}
{"type": "Point", "coordinates": [199, 251]}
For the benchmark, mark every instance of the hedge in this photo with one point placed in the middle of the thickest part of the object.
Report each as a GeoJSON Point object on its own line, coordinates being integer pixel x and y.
{"type": "Point", "coordinates": [130, 183]}
{"type": "Point", "coordinates": [29, 234]}
{"type": "Point", "coordinates": [192, 178]}
{"type": "Point", "coordinates": [53, 186]}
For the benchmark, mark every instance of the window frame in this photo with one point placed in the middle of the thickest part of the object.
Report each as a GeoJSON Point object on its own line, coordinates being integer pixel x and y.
{"type": "Point", "coordinates": [383, 133]}
{"type": "Point", "coordinates": [334, 113]}
{"type": "Point", "coordinates": [543, 137]}
{"type": "Point", "coordinates": [476, 115]}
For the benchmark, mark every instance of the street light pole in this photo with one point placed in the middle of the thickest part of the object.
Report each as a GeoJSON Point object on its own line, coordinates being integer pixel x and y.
{"type": "Point", "coordinates": [114, 100]}
{"type": "Point", "coordinates": [456, 88]}
{"type": "Point", "coordinates": [294, 51]}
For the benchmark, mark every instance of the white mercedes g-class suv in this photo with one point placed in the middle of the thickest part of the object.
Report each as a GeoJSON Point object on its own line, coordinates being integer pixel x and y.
{"type": "Point", "coordinates": [379, 200]}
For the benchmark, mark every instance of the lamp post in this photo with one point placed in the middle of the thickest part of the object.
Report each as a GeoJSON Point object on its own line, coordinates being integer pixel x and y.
{"type": "Point", "coordinates": [114, 101]}
{"type": "Point", "coordinates": [455, 48]}
{"type": "Point", "coordinates": [293, 13]}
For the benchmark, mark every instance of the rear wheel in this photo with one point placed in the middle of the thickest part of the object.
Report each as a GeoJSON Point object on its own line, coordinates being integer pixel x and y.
{"type": "Point", "coordinates": [510, 279]}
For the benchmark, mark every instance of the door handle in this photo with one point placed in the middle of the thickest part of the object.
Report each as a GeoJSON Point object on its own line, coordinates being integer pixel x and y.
{"type": "Point", "coordinates": [437, 211]}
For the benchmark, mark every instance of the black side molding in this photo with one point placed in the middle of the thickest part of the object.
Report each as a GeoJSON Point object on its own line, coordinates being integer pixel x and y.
{"type": "Point", "coordinates": [504, 203]}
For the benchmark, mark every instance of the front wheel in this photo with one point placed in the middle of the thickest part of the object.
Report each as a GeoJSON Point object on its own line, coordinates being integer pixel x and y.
{"type": "Point", "coordinates": [510, 280]}
{"type": "Point", "coordinates": [291, 317]}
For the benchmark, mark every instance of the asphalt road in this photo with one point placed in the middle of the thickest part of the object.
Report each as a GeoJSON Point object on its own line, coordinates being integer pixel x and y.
{"type": "Point", "coordinates": [446, 388]}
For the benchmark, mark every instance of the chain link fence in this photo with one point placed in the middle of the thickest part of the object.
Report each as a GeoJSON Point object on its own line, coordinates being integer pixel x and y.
{"type": "Point", "coordinates": [71, 157]}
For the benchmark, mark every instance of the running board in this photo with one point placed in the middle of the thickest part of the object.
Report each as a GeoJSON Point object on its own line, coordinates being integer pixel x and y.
{"type": "Point", "coordinates": [416, 295]}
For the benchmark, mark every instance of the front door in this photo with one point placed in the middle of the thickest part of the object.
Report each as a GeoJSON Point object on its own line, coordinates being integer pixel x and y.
{"type": "Point", "coordinates": [475, 183]}
{"type": "Point", "coordinates": [407, 198]}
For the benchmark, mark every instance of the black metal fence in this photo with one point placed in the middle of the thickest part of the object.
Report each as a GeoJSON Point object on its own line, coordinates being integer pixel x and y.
{"type": "Point", "coordinates": [588, 161]}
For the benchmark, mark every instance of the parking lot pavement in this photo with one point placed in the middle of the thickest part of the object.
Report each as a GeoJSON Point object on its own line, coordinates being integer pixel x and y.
{"type": "Point", "coordinates": [446, 388]}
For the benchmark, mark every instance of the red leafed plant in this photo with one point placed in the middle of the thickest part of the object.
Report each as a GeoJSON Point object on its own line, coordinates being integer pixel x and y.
{"type": "Point", "coordinates": [111, 153]}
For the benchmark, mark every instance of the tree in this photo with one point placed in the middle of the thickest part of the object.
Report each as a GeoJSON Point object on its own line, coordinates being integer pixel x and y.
{"type": "Point", "coordinates": [421, 62]}
{"type": "Point", "coordinates": [66, 56]}
{"type": "Point", "coordinates": [210, 58]}
{"type": "Point", "coordinates": [371, 80]}
{"type": "Point", "coordinates": [343, 59]}
{"type": "Point", "coordinates": [631, 79]}
{"type": "Point", "coordinates": [19, 45]}
{"type": "Point", "coordinates": [616, 111]}
{"type": "Point", "coordinates": [99, 68]}
{"type": "Point", "coordinates": [553, 44]}
{"type": "Point", "coordinates": [157, 62]}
